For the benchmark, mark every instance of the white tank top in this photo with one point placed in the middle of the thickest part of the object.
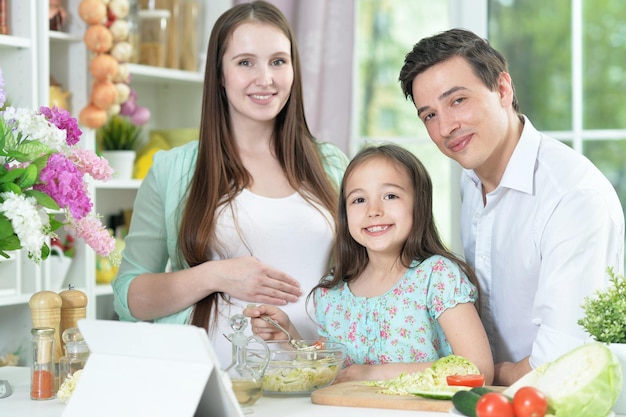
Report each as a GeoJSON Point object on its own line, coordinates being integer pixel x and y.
{"type": "Point", "coordinates": [288, 234]}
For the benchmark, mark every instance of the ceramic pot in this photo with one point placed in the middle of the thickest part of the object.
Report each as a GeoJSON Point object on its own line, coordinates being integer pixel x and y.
{"type": "Point", "coordinates": [619, 349]}
{"type": "Point", "coordinates": [122, 163]}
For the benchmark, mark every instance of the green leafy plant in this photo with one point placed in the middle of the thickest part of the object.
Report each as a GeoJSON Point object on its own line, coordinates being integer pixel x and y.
{"type": "Point", "coordinates": [605, 314]}
{"type": "Point", "coordinates": [118, 134]}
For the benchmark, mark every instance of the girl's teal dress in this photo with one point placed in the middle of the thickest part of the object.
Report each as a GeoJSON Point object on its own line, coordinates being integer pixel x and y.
{"type": "Point", "coordinates": [400, 325]}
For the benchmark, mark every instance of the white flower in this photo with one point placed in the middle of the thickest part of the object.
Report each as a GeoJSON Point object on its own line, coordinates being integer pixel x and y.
{"type": "Point", "coordinates": [29, 222]}
{"type": "Point", "coordinates": [67, 387]}
{"type": "Point", "coordinates": [32, 124]}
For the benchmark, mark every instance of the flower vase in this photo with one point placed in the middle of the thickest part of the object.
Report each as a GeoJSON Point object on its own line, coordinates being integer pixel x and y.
{"type": "Point", "coordinates": [619, 349]}
{"type": "Point", "coordinates": [122, 163]}
{"type": "Point", "coordinates": [59, 266]}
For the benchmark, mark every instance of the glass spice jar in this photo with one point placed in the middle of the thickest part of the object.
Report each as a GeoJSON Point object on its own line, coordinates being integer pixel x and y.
{"type": "Point", "coordinates": [76, 353]}
{"type": "Point", "coordinates": [42, 376]}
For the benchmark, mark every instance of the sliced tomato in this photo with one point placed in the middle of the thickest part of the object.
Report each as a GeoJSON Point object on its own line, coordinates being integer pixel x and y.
{"type": "Point", "coordinates": [472, 380]}
{"type": "Point", "coordinates": [318, 345]}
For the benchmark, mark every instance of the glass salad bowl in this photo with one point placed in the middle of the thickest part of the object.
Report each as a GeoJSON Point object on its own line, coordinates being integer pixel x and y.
{"type": "Point", "coordinates": [298, 372]}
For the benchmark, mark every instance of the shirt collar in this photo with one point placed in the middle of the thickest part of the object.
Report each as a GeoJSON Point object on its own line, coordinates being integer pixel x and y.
{"type": "Point", "coordinates": [520, 171]}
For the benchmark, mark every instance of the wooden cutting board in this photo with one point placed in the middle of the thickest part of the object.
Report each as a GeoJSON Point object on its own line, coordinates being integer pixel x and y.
{"type": "Point", "coordinates": [355, 394]}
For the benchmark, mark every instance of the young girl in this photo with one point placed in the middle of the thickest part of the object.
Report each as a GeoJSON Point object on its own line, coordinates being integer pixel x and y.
{"type": "Point", "coordinates": [396, 297]}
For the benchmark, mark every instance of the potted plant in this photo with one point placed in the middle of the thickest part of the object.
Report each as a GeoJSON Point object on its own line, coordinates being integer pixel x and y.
{"type": "Point", "coordinates": [605, 320]}
{"type": "Point", "coordinates": [118, 139]}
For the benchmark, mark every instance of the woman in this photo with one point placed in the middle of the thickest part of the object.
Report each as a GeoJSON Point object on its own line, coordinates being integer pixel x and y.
{"type": "Point", "coordinates": [246, 214]}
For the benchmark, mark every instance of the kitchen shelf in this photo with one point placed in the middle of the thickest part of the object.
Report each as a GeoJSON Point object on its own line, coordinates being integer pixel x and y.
{"type": "Point", "coordinates": [103, 289]}
{"type": "Point", "coordinates": [56, 36]}
{"type": "Point", "coordinates": [163, 76]}
{"type": "Point", "coordinates": [8, 299]}
{"type": "Point", "coordinates": [118, 184]}
{"type": "Point", "coordinates": [29, 57]}
{"type": "Point", "coordinates": [13, 42]}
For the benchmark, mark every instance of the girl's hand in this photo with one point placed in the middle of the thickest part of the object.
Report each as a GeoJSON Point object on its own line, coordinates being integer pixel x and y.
{"type": "Point", "coordinates": [249, 279]}
{"type": "Point", "coordinates": [265, 330]}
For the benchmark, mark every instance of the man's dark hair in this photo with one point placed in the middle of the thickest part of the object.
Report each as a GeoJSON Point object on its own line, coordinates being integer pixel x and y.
{"type": "Point", "coordinates": [486, 62]}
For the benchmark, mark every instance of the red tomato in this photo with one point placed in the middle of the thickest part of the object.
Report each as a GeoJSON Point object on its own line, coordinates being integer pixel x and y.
{"type": "Point", "coordinates": [473, 380]}
{"type": "Point", "coordinates": [530, 402]}
{"type": "Point", "coordinates": [494, 404]}
{"type": "Point", "coordinates": [318, 345]}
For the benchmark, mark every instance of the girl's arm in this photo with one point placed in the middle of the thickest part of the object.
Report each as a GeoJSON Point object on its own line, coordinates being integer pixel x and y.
{"type": "Point", "coordinates": [467, 338]}
{"type": "Point", "coordinates": [379, 372]}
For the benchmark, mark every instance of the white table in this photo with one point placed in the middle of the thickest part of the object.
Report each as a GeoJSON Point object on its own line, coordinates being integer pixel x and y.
{"type": "Point", "coordinates": [19, 404]}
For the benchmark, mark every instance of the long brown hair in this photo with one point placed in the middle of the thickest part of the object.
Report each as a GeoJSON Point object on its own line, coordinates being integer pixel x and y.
{"type": "Point", "coordinates": [423, 242]}
{"type": "Point", "coordinates": [219, 173]}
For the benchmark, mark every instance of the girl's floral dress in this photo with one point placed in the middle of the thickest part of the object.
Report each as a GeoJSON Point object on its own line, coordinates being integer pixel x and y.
{"type": "Point", "coordinates": [400, 325]}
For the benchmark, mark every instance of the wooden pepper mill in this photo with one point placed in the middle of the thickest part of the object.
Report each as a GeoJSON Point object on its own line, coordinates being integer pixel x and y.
{"type": "Point", "coordinates": [73, 308]}
{"type": "Point", "coordinates": [45, 307]}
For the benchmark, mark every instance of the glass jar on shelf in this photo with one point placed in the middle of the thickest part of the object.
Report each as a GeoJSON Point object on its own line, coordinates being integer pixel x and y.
{"type": "Point", "coordinates": [4, 17]}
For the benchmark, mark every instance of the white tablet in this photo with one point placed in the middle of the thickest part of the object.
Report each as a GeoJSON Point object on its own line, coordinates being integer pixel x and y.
{"type": "Point", "coordinates": [145, 369]}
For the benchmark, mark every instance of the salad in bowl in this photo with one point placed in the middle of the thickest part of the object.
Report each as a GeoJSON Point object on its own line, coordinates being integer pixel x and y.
{"type": "Point", "coordinates": [298, 372]}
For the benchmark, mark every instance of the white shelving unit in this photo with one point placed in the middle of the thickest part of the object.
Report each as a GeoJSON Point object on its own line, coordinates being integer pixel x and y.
{"type": "Point", "coordinates": [29, 56]}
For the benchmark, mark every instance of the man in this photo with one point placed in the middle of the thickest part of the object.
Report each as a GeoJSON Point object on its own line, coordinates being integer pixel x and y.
{"type": "Point", "coordinates": [540, 224]}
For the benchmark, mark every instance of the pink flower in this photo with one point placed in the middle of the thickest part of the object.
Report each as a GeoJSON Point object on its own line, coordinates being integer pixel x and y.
{"type": "Point", "coordinates": [90, 163]}
{"type": "Point", "coordinates": [63, 120]}
{"type": "Point", "coordinates": [382, 359]}
{"type": "Point", "coordinates": [62, 181]}
{"type": "Point", "coordinates": [3, 95]}
{"type": "Point", "coordinates": [93, 232]}
{"type": "Point", "coordinates": [439, 266]}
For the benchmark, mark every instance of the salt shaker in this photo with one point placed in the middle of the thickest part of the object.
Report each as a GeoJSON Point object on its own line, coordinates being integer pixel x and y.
{"type": "Point", "coordinates": [76, 353]}
{"type": "Point", "coordinates": [43, 375]}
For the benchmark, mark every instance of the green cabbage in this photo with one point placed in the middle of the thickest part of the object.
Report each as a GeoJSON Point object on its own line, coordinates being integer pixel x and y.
{"type": "Point", "coordinates": [582, 383]}
{"type": "Point", "coordinates": [429, 379]}
{"type": "Point", "coordinates": [453, 365]}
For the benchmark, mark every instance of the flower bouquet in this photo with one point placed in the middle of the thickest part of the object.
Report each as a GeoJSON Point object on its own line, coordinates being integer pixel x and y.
{"type": "Point", "coordinates": [42, 182]}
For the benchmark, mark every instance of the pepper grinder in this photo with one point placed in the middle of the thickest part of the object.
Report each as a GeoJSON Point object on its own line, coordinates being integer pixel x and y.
{"type": "Point", "coordinates": [73, 308]}
{"type": "Point", "coordinates": [45, 307]}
